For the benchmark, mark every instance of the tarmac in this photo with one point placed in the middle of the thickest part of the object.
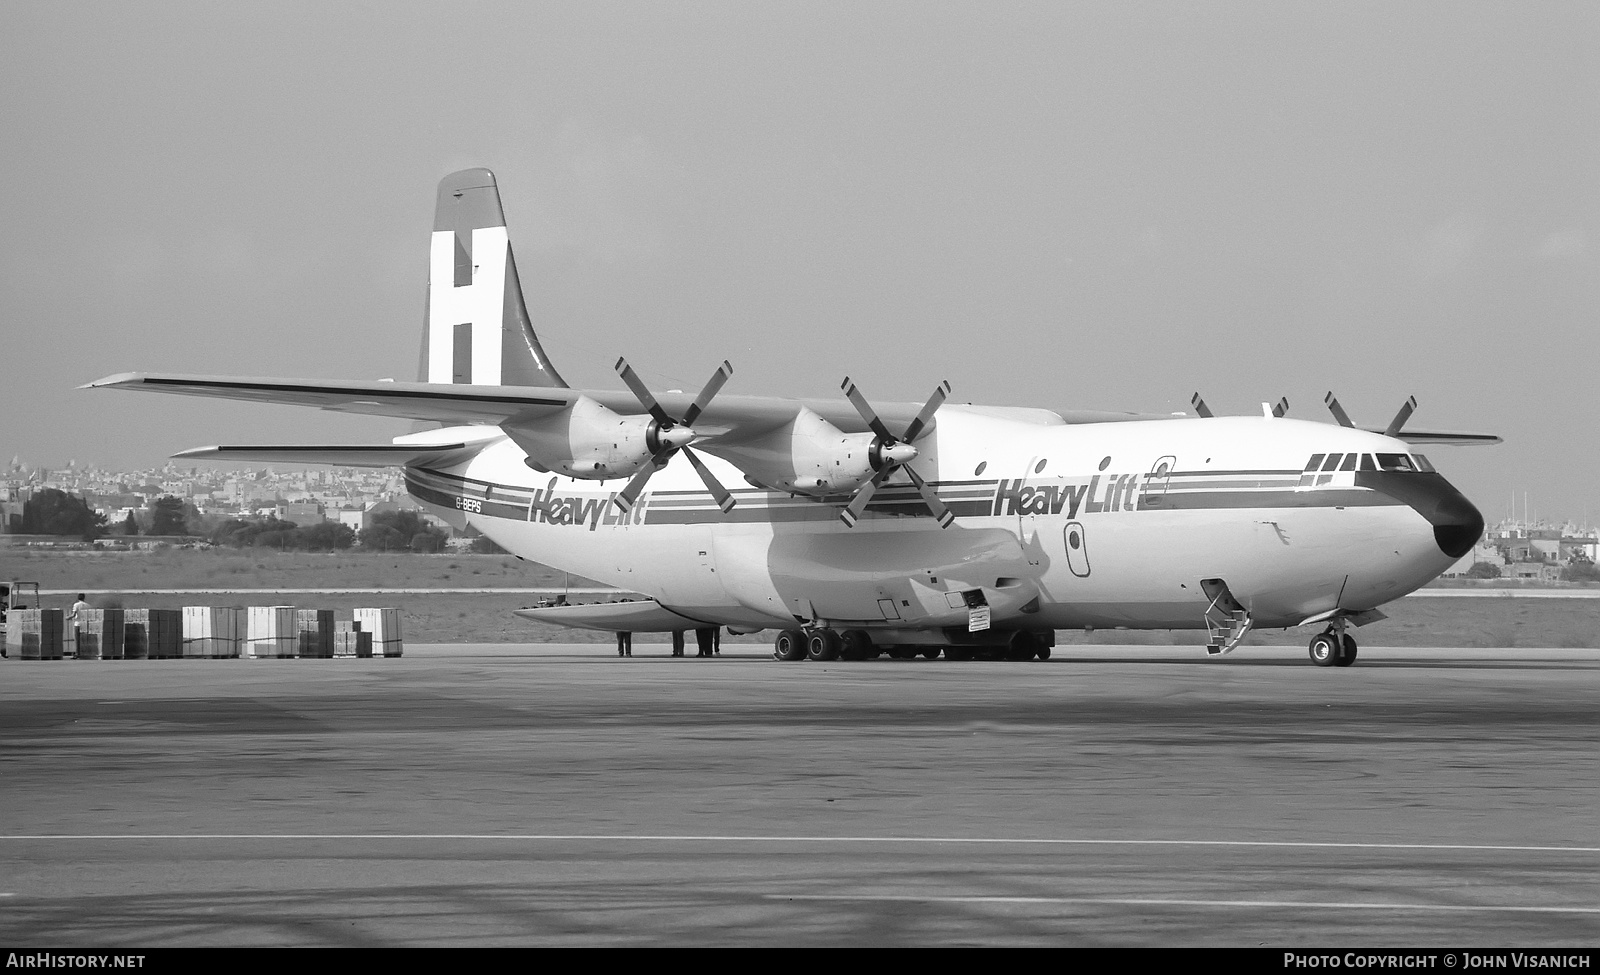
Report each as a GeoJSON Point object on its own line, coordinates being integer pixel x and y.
{"type": "Point", "coordinates": [557, 795]}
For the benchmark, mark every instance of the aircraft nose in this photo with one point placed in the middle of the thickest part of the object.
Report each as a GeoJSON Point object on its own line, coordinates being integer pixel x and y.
{"type": "Point", "coordinates": [1457, 524]}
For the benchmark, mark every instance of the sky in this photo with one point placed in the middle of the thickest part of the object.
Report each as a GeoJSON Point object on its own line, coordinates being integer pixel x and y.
{"type": "Point", "coordinates": [1068, 205]}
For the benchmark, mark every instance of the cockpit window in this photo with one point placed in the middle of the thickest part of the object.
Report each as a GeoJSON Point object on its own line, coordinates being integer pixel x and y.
{"type": "Point", "coordinates": [1367, 463]}
{"type": "Point", "coordinates": [1349, 462]}
{"type": "Point", "coordinates": [1396, 462]}
{"type": "Point", "coordinates": [1332, 463]}
{"type": "Point", "coordinates": [1423, 464]}
{"type": "Point", "coordinates": [1315, 462]}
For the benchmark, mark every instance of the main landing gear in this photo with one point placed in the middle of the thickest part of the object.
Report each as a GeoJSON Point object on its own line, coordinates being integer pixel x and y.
{"type": "Point", "coordinates": [1333, 647]}
{"type": "Point", "coordinates": [826, 643]}
{"type": "Point", "coordinates": [823, 643]}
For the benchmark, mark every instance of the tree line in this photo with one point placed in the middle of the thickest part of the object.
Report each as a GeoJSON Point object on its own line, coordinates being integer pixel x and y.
{"type": "Point", "coordinates": [54, 512]}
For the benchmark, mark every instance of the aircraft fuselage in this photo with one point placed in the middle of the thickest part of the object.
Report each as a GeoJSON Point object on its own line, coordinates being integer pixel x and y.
{"type": "Point", "coordinates": [1060, 527]}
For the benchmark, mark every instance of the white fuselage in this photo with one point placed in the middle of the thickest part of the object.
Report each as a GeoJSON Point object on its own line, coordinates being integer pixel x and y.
{"type": "Point", "coordinates": [1060, 526]}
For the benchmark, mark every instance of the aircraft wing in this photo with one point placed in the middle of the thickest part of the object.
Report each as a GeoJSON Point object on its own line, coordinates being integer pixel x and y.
{"type": "Point", "coordinates": [1442, 437]}
{"type": "Point", "coordinates": [730, 416]}
{"type": "Point", "coordinates": [336, 455]}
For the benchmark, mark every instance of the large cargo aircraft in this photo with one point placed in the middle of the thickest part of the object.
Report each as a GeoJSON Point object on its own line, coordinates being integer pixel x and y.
{"type": "Point", "coordinates": [854, 528]}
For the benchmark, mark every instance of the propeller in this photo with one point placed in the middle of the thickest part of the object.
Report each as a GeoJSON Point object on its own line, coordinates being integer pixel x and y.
{"type": "Point", "coordinates": [669, 436]}
{"type": "Point", "coordinates": [1338, 412]}
{"type": "Point", "coordinates": [1406, 409]}
{"type": "Point", "coordinates": [1279, 409]}
{"type": "Point", "coordinates": [890, 453]}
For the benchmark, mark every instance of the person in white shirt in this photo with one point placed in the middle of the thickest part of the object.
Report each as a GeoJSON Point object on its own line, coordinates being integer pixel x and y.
{"type": "Point", "coordinates": [80, 616]}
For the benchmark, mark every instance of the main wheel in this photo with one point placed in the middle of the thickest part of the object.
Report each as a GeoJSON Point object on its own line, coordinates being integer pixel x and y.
{"type": "Point", "coordinates": [958, 653]}
{"type": "Point", "coordinates": [1022, 646]}
{"type": "Point", "coordinates": [790, 645]}
{"type": "Point", "coordinates": [1348, 655]}
{"type": "Point", "coordinates": [823, 644]}
{"type": "Point", "coordinates": [857, 645]}
{"type": "Point", "coordinates": [931, 653]}
{"type": "Point", "coordinates": [1324, 648]}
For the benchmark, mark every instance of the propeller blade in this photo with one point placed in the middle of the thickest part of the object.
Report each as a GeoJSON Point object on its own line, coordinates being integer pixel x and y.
{"type": "Point", "coordinates": [865, 409]}
{"type": "Point", "coordinates": [858, 504]}
{"type": "Point", "coordinates": [1200, 406]}
{"type": "Point", "coordinates": [642, 393]}
{"type": "Point", "coordinates": [1282, 408]}
{"type": "Point", "coordinates": [724, 499]}
{"type": "Point", "coordinates": [940, 512]}
{"type": "Point", "coordinates": [1338, 411]}
{"type": "Point", "coordinates": [713, 385]}
{"type": "Point", "coordinates": [928, 409]}
{"type": "Point", "coordinates": [626, 498]}
{"type": "Point", "coordinates": [1400, 418]}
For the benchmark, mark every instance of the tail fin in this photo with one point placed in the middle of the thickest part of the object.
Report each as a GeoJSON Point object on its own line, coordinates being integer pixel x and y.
{"type": "Point", "coordinates": [477, 329]}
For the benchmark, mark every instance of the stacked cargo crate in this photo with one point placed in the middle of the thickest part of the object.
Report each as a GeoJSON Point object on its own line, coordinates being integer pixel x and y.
{"type": "Point", "coordinates": [384, 624]}
{"type": "Point", "coordinates": [36, 634]}
{"type": "Point", "coordinates": [155, 634]}
{"type": "Point", "coordinates": [316, 632]}
{"type": "Point", "coordinates": [344, 639]}
{"type": "Point", "coordinates": [271, 632]}
{"type": "Point", "coordinates": [212, 631]}
{"type": "Point", "coordinates": [101, 635]}
{"type": "Point", "coordinates": [204, 632]}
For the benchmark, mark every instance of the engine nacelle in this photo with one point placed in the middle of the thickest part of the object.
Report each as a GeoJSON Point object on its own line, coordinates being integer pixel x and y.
{"type": "Point", "coordinates": [808, 455]}
{"type": "Point", "coordinates": [586, 440]}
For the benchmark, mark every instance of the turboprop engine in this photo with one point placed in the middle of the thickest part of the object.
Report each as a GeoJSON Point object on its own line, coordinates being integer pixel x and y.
{"type": "Point", "coordinates": [586, 440]}
{"type": "Point", "coordinates": [810, 456]}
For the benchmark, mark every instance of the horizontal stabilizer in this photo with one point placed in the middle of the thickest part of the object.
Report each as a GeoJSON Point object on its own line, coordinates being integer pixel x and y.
{"type": "Point", "coordinates": [635, 616]}
{"type": "Point", "coordinates": [336, 455]}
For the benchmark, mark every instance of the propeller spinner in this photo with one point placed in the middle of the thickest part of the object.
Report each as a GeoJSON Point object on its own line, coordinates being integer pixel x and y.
{"type": "Point", "coordinates": [669, 436]}
{"type": "Point", "coordinates": [890, 453]}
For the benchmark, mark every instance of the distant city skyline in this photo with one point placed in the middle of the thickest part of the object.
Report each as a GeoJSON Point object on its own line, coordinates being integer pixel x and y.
{"type": "Point", "coordinates": [1088, 205]}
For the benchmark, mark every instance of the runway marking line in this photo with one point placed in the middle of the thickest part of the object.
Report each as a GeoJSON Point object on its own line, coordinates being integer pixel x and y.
{"type": "Point", "coordinates": [732, 838]}
{"type": "Point", "coordinates": [1176, 902]}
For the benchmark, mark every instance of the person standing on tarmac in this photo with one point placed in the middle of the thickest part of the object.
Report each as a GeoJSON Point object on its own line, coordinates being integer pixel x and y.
{"type": "Point", "coordinates": [624, 643]}
{"type": "Point", "coordinates": [677, 643]}
{"type": "Point", "coordinates": [79, 617]}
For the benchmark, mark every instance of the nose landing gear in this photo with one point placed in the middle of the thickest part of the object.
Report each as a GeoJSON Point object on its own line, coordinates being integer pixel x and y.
{"type": "Point", "coordinates": [1333, 647]}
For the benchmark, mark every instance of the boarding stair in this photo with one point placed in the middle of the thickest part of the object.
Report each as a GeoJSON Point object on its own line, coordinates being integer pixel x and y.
{"type": "Point", "coordinates": [1227, 622]}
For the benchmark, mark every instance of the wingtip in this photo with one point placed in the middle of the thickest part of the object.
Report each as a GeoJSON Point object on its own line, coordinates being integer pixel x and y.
{"type": "Point", "coordinates": [117, 379]}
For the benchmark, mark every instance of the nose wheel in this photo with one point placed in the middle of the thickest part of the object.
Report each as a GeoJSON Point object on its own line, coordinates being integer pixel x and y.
{"type": "Point", "coordinates": [1333, 647]}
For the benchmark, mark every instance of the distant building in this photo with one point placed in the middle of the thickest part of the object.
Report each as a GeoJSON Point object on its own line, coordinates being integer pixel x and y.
{"type": "Point", "coordinates": [302, 513]}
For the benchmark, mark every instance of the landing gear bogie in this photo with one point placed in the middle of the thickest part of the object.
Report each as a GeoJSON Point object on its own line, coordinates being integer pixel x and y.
{"type": "Point", "coordinates": [823, 644]}
{"type": "Point", "coordinates": [857, 645]}
{"type": "Point", "coordinates": [1347, 655]}
{"type": "Point", "coordinates": [1332, 648]}
{"type": "Point", "coordinates": [790, 645]}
